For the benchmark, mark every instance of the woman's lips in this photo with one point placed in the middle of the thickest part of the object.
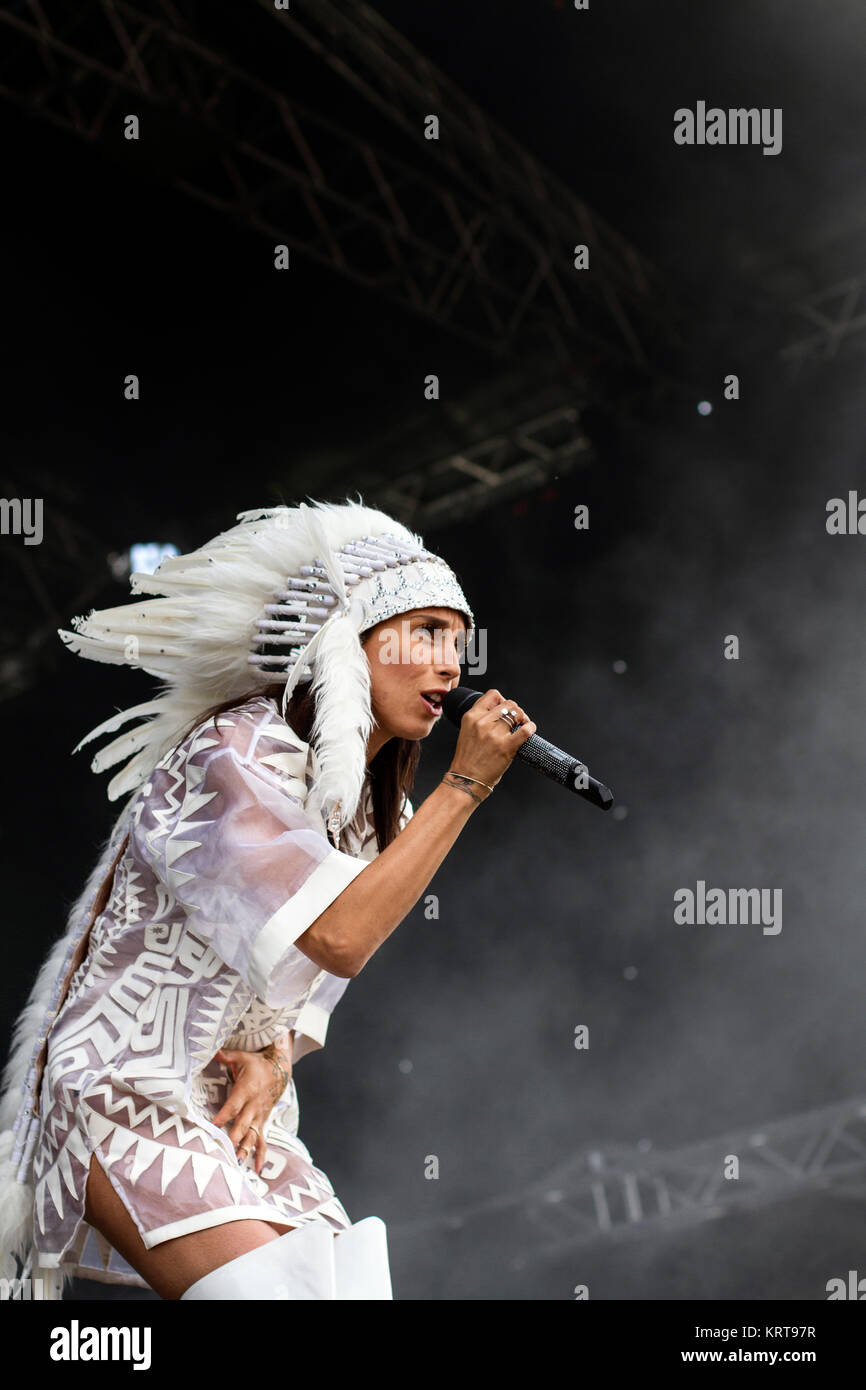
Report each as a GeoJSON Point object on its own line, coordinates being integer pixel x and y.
{"type": "Point", "coordinates": [431, 709]}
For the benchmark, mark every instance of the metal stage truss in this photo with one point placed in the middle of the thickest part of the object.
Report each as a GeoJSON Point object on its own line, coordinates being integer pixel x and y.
{"type": "Point", "coordinates": [509, 464]}
{"type": "Point", "coordinates": [610, 1193]}
{"type": "Point", "coordinates": [835, 315]}
{"type": "Point", "coordinates": [469, 230]}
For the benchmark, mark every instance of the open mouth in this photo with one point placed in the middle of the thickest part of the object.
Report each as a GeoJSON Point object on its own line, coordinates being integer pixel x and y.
{"type": "Point", "coordinates": [433, 703]}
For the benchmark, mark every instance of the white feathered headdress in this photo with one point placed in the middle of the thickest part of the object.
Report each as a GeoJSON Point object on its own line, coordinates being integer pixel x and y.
{"type": "Point", "coordinates": [284, 595]}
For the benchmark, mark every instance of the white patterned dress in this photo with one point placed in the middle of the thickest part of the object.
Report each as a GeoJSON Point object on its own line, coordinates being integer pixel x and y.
{"type": "Point", "coordinates": [195, 951]}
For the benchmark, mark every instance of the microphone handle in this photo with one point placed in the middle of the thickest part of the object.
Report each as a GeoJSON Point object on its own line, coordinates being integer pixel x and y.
{"type": "Point", "coordinates": [565, 770]}
{"type": "Point", "coordinates": [560, 767]}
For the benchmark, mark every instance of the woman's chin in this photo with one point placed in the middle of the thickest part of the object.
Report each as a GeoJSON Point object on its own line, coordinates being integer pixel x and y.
{"type": "Point", "coordinates": [411, 726]}
{"type": "Point", "coordinates": [416, 728]}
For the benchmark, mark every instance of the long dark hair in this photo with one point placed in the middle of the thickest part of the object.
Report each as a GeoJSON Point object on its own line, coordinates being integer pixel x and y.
{"type": "Point", "coordinates": [392, 771]}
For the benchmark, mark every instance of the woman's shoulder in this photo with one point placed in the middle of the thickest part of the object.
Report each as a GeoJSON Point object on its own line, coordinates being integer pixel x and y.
{"type": "Point", "coordinates": [253, 730]}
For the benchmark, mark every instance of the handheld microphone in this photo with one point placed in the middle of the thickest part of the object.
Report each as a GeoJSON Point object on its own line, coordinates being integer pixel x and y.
{"type": "Point", "coordinates": [544, 757]}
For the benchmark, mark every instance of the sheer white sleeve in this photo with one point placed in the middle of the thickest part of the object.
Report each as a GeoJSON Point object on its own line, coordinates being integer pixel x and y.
{"type": "Point", "coordinates": [241, 853]}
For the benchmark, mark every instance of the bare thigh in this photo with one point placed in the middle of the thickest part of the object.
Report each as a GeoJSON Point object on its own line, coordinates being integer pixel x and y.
{"type": "Point", "coordinates": [170, 1268]}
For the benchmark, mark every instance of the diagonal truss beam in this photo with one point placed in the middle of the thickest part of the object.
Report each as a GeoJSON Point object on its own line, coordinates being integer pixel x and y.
{"type": "Point", "coordinates": [509, 464]}
{"type": "Point", "coordinates": [835, 314]}
{"type": "Point", "coordinates": [379, 62]}
{"type": "Point", "coordinates": [477, 236]}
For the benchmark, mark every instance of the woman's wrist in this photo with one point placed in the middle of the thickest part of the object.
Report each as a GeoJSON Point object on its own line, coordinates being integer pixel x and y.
{"type": "Point", "coordinates": [282, 1045]}
{"type": "Point", "coordinates": [478, 791]}
{"type": "Point", "coordinates": [280, 1057]}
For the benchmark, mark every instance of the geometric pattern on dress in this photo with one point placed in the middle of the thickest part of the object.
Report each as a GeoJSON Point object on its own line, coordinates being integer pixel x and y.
{"type": "Point", "coordinates": [130, 1074]}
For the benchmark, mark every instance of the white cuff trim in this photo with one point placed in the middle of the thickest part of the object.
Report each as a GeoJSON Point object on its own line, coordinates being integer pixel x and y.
{"type": "Point", "coordinates": [311, 1025]}
{"type": "Point", "coordinates": [203, 1221]}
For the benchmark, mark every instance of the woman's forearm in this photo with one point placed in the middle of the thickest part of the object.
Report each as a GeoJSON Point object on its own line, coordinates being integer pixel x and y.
{"type": "Point", "coordinates": [347, 934]}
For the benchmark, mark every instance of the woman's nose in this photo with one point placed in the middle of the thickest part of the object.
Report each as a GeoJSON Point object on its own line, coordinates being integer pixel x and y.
{"type": "Point", "coordinates": [449, 659]}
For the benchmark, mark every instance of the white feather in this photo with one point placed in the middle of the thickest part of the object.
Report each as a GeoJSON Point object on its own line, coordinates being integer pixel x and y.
{"type": "Point", "coordinates": [320, 540]}
{"type": "Point", "coordinates": [343, 721]}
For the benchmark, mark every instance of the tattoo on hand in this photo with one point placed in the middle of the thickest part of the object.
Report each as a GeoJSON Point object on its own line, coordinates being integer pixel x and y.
{"type": "Point", "coordinates": [278, 1056]}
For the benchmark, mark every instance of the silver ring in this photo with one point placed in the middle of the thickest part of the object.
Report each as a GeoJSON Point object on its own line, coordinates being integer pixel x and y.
{"type": "Point", "coordinates": [508, 714]}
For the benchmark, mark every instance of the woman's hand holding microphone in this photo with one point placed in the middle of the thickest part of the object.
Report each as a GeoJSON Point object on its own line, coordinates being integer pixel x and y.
{"type": "Point", "coordinates": [491, 732]}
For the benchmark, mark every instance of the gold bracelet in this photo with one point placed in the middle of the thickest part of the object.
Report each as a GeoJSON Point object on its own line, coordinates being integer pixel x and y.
{"type": "Point", "coordinates": [459, 785]}
{"type": "Point", "coordinates": [466, 778]}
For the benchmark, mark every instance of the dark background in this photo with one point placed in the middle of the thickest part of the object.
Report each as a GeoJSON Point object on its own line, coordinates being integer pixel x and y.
{"type": "Point", "coordinates": [457, 1038]}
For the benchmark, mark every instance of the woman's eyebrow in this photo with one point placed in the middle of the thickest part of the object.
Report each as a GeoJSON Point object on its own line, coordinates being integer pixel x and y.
{"type": "Point", "coordinates": [431, 621]}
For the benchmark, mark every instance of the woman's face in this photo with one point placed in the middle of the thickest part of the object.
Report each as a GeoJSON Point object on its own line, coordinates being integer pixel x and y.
{"type": "Point", "coordinates": [414, 653]}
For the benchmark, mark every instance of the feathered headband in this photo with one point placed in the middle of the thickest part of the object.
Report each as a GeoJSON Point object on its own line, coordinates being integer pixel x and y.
{"type": "Point", "coordinates": [285, 594]}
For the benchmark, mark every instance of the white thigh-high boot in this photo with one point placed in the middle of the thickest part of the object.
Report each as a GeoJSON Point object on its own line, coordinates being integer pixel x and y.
{"type": "Point", "coordinates": [361, 1260]}
{"type": "Point", "coordinates": [299, 1264]}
